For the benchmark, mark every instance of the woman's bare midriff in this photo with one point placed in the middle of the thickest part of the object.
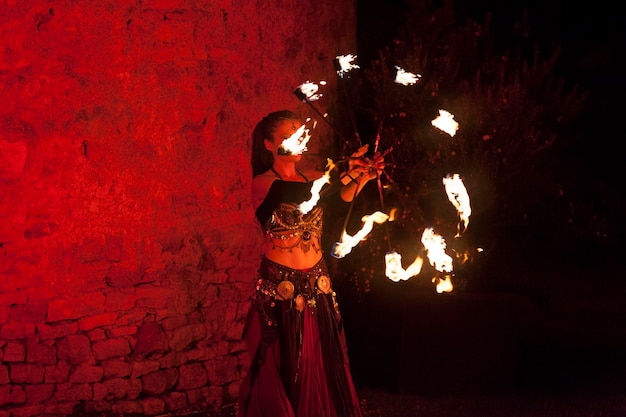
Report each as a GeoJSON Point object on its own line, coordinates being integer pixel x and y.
{"type": "Point", "coordinates": [293, 258]}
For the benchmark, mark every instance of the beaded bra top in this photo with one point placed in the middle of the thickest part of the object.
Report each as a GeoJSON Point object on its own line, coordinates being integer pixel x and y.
{"type": "Point", "coordinates": [282, 221]}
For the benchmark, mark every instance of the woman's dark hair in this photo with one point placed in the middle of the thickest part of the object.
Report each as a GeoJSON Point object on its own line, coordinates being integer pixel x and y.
{"type": "Point", "coordinates": [261, 158]}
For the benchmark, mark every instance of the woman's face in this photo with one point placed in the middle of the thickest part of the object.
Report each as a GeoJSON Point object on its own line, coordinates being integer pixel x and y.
{"type": "Point", "coordinates": [284, 130]}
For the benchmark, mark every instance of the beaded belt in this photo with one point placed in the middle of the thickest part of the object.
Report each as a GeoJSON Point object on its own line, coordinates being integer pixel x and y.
{"type": "Point", "coordinates": [283, 283]}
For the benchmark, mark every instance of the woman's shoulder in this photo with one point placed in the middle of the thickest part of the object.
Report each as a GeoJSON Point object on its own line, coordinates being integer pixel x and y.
{"type": "Point", "coordinates": [266, 178]}
{"type": "Point", "coordinates": [260, 186]}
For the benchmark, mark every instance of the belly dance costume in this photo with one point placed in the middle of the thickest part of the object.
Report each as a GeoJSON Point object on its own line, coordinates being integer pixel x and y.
{"type": "Point", "coordinates": [294, 330]}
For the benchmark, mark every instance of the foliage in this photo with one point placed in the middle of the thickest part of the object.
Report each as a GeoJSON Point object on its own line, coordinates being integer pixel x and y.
{"type": "Point", "coordinates": [514, 114]}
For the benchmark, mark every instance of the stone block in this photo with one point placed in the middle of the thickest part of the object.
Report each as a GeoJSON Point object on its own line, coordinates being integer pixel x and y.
{"type": "Point", "coordinates": [75, 349]}
{"type": "Point", "coordinates": [86, 374]}
{"type": "Point", "coordinates": [58, 373]}
{"type": "Point", "coordinates": [111, 348]}
{"type": "Point", "coordinates": [14, 352]}
{"type": "Point", "coordinates": [191, 376]}
{"type": "Point", "coordinates": [26, 373]}
{"type": "Point", "coordinates": [160, 381]}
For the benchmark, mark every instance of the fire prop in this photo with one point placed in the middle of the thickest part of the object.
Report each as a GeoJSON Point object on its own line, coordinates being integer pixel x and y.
{"type": "Point", "coordinates": [306, 206]}
{"type": "Point", "coordinates": [309, 91]}
{"type": "Point", "coordinates": [345, 64]}
{"type": "Point", "coordinates": [434, 245]}
{"type": "Point", "coordinates": [443, 284]}
{"type": "Point", "coordinates": [457, 194]}
{"type": "Point", "coordinates": [394, 270]}
{"type": "Point", "coordinates": [347, 242]}
{"type": "Point", "coordinates": [436, 253]}
{"type": "Point", "coordinates": [406, 78]}
{"type": "Point", "coordinates": [296, 143]}
{"type": "Point", "coordinates": [436, 250]}
{"type": "Point", "coordinates": [445, 122]}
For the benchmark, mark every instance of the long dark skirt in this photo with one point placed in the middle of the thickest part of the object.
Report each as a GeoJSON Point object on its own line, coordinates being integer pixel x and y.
{"type": "Point", "coordinates": [297, 345]}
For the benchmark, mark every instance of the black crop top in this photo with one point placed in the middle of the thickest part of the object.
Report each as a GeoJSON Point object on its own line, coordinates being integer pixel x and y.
{"type": "Point", "coordinates": [282, 192]}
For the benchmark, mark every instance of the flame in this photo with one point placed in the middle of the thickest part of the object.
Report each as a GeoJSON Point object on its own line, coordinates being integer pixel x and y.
{"type": "Point", "coordinates": [394, 270]}
{"type": "Point", "coordinates": [346, 64]}
{"type": "Point", "coordinates": [310, 91]}
{"type": "Point", "coordinates": [435, 250]}
{"type": "Point", "coordinates": [347, 242]}
{"type": "Point", "coordinates": [457, 194]}
{"type": "Point", "coordinates": [406, 78]}
{"type": "Point", "coordinates": [306, 206]}
{"type": "Point", "coordinates": [296, 143]}
{"type": "Point", "coordinates": [445, 122]}
{"type": "Point", "coordinates": [443, 284]}
{"type": "Point", "coordinates": [392, 214]}
{"type": "Point", "coordinates": [435, 247]}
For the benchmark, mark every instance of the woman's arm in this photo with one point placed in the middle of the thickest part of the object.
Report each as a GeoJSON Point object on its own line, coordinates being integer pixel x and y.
{"type": "Point", "coordinates": [360, 171]}
{"type": "Point", "coordinates": [259, 188]}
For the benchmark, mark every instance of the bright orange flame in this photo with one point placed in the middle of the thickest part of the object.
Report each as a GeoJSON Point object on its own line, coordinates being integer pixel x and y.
{"type": "Point", "coordinates": [435, 247]}
{"type": "Point", "coordinates": [347, 242]}
{"type": "Point", "coordinates": [296, 143]}
{"type": "Point", "coordinates": [406, 78]}
{"type": "Point", "coordinates": [306, 206]}
{"type": "Point", "coordinates": [443, 284]}
{"type": "Point", "coordinates": [445, 122]}
{"type": "Point", "coordinates": [394, 270]}
{"type": "Point", "coordinates": [311, 90]}
{"type": "Point", "coordinates": [346, 64]}
{"type": "Point", "coordinates": [457, 194]}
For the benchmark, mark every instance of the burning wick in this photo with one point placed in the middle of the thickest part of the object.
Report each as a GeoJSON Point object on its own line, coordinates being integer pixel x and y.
{"type": "Point", "coordinates": [443, 284]}
{"type": "Point", "coordinates": [435, 250]}
{"type": "Point", "coordinates": [435, 247]}
{"type": "Point", "coordinates": [308, 91]}
{"type": "Point", "coordinates": [394, 270]}
{"type": "Point", "coordinates": [296, 143]}
{"type": "Point", "coordinates": [457, 194]}
{"type": "Point", "coordinates": [445, 122]}
{"type": "Point", "coordinates": [406, 78]}
{"type": "Point", "coordinates": [347, 242]}
{"type": "Point", "coordinates": [345, 64]}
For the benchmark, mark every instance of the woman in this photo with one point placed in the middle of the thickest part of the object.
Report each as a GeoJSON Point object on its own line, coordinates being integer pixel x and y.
{"type": "Point", "coordinates": [294, 330]}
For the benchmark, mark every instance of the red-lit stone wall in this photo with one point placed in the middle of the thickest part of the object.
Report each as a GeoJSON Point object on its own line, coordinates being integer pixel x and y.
{"type": "Point", "coordinates": [127, 241]}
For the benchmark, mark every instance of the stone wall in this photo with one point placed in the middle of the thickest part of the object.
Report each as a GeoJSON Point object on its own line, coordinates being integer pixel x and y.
{"type": "Point", "coordinates": [127, 241]}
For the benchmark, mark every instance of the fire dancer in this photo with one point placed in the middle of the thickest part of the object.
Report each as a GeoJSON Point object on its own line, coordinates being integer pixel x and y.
{"type": "Point", "coordinates": [294, 330]}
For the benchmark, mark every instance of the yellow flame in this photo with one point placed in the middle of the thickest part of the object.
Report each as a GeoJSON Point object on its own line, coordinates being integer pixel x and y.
{"type": "Point", "coordinates": [306, 206]}
{"type": "Point", "coordinates": [443, 284]}
{"type": "Point", "coordinates": [296, 143]}
{"type": "Point", "coordinates": [457, 194]}
{"type": "Point", "coordinates": [347, 242]}
{"type": "Point", "coordinates": [346, 64]}
{"type": "Point", "coordinates": [445, 122]}
{"type": "Point", "coordinates": [392, 214]}
{"type": "Point", "coordinates": [311, 90]}
{"type": "Point", "coordinates": [394, 270]}
{"type": "Point", "coordinates": [435, 250]}
{"type": "Point", "coordinates": [406, 78]}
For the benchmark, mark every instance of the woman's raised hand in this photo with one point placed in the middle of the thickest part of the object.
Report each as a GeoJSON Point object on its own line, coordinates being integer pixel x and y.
{"type": "Point", "coordinates": [362, 166]}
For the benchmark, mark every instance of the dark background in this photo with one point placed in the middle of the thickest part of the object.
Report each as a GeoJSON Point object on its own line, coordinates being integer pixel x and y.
{"type": "Point", "coordinates": [563, 329]}
{"type": "Point", "coordinates": [591, 36]}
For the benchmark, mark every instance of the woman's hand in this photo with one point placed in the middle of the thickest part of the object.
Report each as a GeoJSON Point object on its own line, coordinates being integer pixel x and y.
{"type": "Point", "coordinates": [364, 167]}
